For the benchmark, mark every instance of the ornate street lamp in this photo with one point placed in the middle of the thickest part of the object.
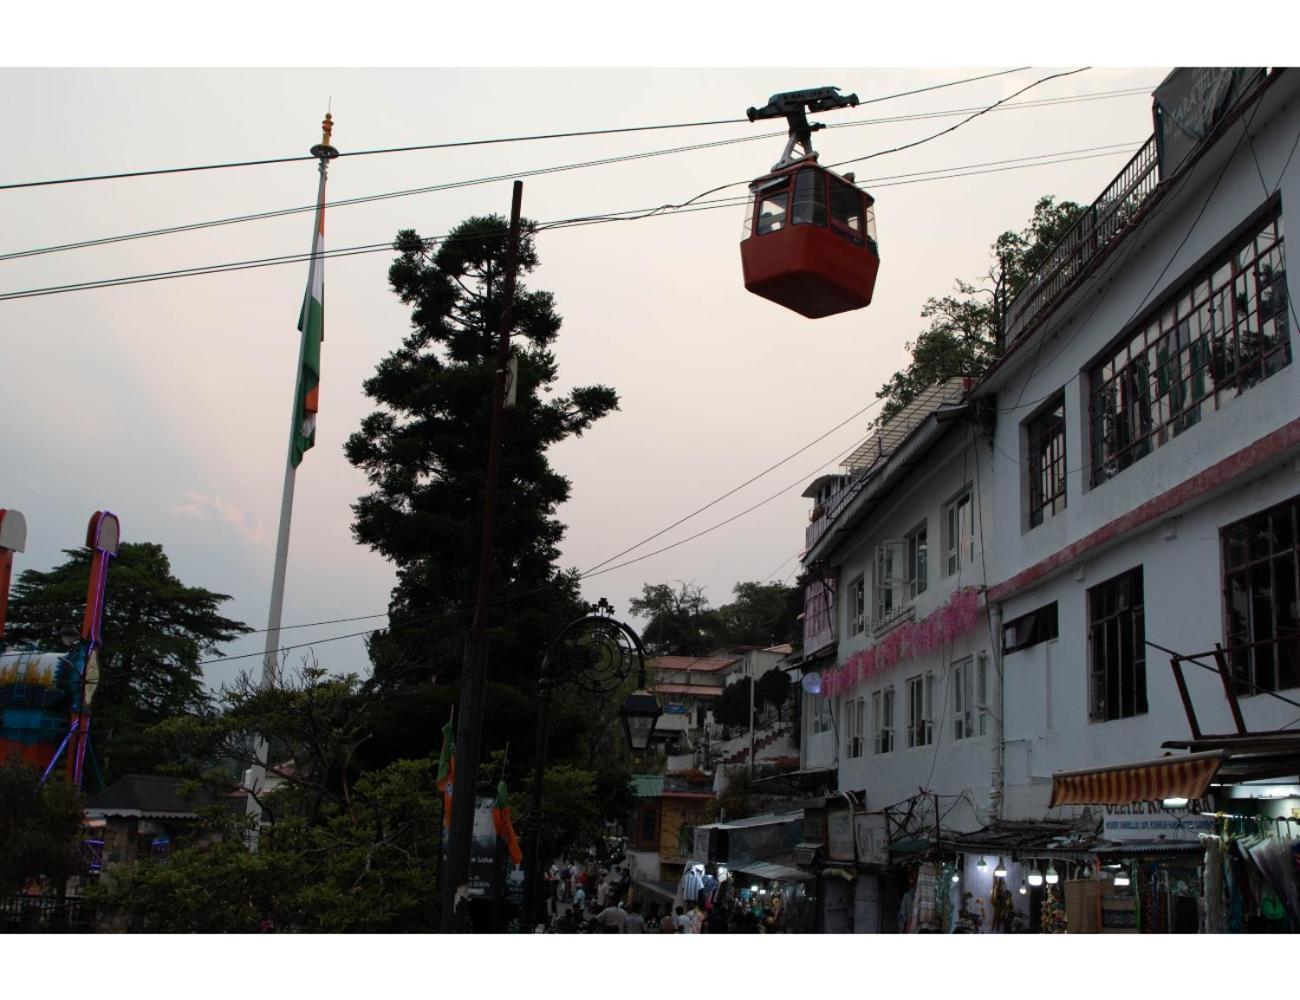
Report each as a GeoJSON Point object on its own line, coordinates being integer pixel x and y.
{"type": "Point", "coordinates": [597, 654]}
{"type": "Point", "coordinates": [640, 713]}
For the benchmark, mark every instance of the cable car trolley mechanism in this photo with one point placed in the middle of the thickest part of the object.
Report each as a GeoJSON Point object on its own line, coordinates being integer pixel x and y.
{"type": "Point", "coordinates": [810, 234]}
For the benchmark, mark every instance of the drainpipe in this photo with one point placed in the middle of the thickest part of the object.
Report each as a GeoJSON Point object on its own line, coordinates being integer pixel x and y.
{"type": "Point", "coordinates": [998, 775]}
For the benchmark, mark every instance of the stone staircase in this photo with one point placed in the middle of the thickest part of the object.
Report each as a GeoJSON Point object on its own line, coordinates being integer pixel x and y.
{"type": "Point", "coordinates": [762, 740]}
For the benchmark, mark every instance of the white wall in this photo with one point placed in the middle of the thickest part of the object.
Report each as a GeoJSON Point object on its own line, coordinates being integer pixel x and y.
{"type": "Point", "coordinates": [1047, 686]}
{"type": "Point", "coordinates": [958, 771]}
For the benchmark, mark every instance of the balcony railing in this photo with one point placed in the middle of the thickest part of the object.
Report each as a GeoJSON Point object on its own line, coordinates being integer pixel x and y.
{"type": "Point", "coordinates": [1096, 229]}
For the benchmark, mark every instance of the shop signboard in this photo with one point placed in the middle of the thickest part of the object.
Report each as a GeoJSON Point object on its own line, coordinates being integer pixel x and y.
{"type": "Point", "coordinates": [871, 837]}
{"type": "Point", "coordinates": [483, 850]}
{"type": "Point", "coordinates": [1188, 104]}
{"type": "Point", "coordinates": [839, 835]}
{"type": "Point", "coordinates": [674, 708]}
{"type": "Point", "coordinates": [1153, 821]}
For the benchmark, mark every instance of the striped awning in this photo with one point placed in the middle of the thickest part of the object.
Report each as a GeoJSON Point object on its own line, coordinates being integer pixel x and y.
{"type": "Point", "coordinates": [1185, 777]}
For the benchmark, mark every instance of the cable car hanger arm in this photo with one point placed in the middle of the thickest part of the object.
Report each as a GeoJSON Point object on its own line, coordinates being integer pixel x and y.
{"type": "Point", "coordinates": [793, 107]}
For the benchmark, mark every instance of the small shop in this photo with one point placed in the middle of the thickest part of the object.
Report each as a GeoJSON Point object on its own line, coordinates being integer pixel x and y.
{"type": "Point", "coordinates": [1202, 842]}
{"type": "Point", "coordinates": [777, 897]}
{"type": "Point", "coordinates": [750, 865]}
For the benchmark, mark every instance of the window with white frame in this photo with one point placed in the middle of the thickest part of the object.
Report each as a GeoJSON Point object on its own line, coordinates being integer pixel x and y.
{"type": "Point", "coordinates": [981, 694]}
{"type": "Point", "coordinates": [858, 605]}
{"type": "Point", "coordinates": [917, 561]}
{"type": "Point", "coordinates": [890, 580]}
{"type": "Point", "coordinates": [963, 692]}
{"type": "Point", "coordinates": [854, 713]}
{"type": "Point", "coordinates": [882, 720]}
{"type": "Point", "coordinates": [958, 532]}
{"type": "Point", "coordinates": [920, 713]}
{"type": "Point", "coordinates": [821, 714]}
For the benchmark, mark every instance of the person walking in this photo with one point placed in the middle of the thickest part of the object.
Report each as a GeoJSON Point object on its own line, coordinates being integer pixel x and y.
{"type": "Point", "coordinates": [635, 923]}
{"type": "Point", "coordinates": [614, 919]}
{"type": "Point", "coordinates": [668, 924]}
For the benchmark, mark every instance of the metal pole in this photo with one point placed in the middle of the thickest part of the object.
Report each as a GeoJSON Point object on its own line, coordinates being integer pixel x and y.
{"type": "Point", "coordinates": [474, 669]}
{"type": "Point", "coordinates": [532, 883]}
{"type": "Point", "coordinates": [270, 655]}
{"type": "Point", "coordinates": [749, 675]}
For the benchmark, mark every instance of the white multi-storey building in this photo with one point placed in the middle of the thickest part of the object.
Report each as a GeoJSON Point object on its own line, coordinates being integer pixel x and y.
{"type": "Point", "coordinates": [1123, 485]}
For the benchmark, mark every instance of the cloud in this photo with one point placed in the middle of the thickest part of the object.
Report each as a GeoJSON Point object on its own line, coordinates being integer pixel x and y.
{"type": "Point", "coordinates": [202, 507]}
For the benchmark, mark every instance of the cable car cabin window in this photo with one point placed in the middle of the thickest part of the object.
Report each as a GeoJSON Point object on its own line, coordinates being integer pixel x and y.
{"type": "Point", "coordinates": [809, 199]}
{"type": "Point", "coordinates": [769, 210]}
{"type": "Point", "coordinates": [846, 211]}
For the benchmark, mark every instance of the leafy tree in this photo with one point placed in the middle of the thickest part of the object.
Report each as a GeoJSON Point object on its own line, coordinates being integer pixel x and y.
{"type": "Point", "coordinates": [762, 614]}
{"type": "Point", "coordinates": [736, 799]}
{"type": "Point", "coordinates": [732, 706]}
{"type": "Point", "coordinates": [156, 631]}
{"type": "Point", "coordinates": [773, 689]}
{"type": "Point", "coordinates": [571, 809]}
{"type": "Point", "coordinates": [680, 621]}
{"type": "Point", "coordinates": [963, 337]}
{"type": "Point", "coordinates": [424, 452]}
{"type": "Point", "coordinates": [372, 868]}
{"type": "Point", "coordinates": [40, 828]}
{"type": "Point", "coordinates": [313, 725]}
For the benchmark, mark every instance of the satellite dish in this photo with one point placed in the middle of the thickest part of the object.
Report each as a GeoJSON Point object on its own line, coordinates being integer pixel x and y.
{"type": "Point", "coordinates": [812, 683]}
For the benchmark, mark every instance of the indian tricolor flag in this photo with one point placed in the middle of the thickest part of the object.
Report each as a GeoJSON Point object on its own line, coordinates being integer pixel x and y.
{"type": "Point", "coordinates": [311, 323]}
{"type": "Point", "coordinates": [446, 777]}
{"type": "Point", "coordinates": [505, 827]}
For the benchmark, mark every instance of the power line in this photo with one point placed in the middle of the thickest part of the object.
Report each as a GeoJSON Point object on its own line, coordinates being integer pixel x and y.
{"type": "Point", "coordinates": [471, 182]}
{"type": "Point", "coordinates": [464, 143]}
{"type": "Point", "coordinates": [625, 216]}
{"type": "Point", "coordinates": [732, 492]}
{"type": "Point", "coordinates": [964, 121]}
{"type": "Point", "coordinates": [721, 524]}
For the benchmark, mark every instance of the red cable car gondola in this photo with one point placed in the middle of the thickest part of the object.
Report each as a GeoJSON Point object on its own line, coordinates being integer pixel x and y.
{"type": "Point", "coordinates": [810, 235]}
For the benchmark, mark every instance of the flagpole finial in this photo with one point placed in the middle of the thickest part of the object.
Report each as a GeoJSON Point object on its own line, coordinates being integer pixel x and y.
{"type": "Point", "coordinates": [325, 151]}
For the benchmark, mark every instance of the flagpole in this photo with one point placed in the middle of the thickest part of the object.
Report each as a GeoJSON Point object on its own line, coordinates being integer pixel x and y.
{"type": "Point", "coordinates": [324, 152]}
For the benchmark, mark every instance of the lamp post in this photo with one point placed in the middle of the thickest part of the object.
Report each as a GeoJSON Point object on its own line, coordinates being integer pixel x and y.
{"type": "Point", "coordinates": [596, 654]}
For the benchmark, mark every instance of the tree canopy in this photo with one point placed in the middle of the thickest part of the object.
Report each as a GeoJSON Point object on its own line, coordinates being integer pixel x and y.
{"type": "Point", "coordinates": [963, 337]}
{"type": "Point", "coordinates": [680, 621]}
{"type": "Point", "coordinates": [424, 451]}
{"type": "Point", "coordinates": [40, 828]}
{"type": "Point", "coordinates": [156, 631]}
{"type": "Point", "coordinates": [368, 868]}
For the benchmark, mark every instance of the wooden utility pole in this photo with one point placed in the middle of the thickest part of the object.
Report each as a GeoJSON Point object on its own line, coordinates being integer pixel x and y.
{"type": "Point", "coordinates": [474, 667]}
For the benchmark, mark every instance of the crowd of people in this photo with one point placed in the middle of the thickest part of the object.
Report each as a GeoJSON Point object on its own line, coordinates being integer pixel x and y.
{"type": "Point", "coordinates": [585, 898]}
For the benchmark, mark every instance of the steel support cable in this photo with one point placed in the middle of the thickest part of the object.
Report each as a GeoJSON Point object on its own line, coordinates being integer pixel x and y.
{"type": "Point", "coordinates": [629, 215]}
{"type": "Point", "coordinates": [466, 142]}
{"type": "Point", "coordinates": [366, 199]}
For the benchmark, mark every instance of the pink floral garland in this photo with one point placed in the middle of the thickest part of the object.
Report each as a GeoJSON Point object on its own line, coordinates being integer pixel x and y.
{"type": "Point", "coordinates": [958, 615]}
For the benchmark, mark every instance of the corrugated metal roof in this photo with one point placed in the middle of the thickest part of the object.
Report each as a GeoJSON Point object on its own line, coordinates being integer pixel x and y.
{"type": "Point", "coordinates": [703, 664]}
{"type": "Point", "coordinates": [647, 786]}
{"type": "Point", "coordinates": [775, 872]}
{"type": "Point", "coordinates": [767, 819]}
{"type": "Point", "coordinates": [701, 690]}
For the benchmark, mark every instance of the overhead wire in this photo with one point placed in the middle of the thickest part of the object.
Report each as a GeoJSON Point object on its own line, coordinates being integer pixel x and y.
{"type": "Point", "coordinates": [469, 182]}
{"type": "Point", "coordinates": [625, 216]}
{"type": "Point", "coordinates": [455, 610]}
{"type": "Point", "coordinates": [466, 143]}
